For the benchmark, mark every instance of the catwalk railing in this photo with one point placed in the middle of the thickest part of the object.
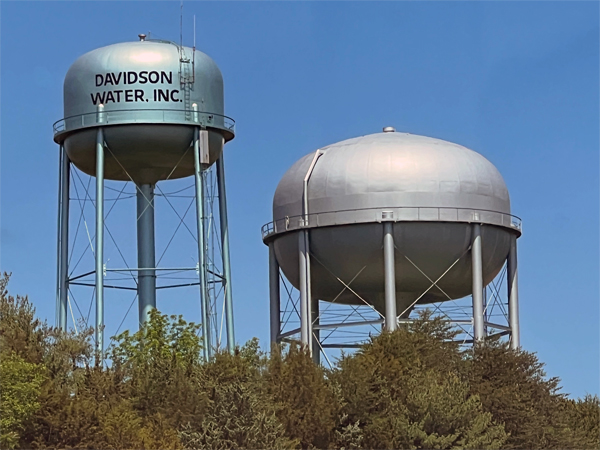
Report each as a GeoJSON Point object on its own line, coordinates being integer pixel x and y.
{"type": "Point", "coordinates": [141, 116]}
{"type": "Point", "coordinates": [398, 214]}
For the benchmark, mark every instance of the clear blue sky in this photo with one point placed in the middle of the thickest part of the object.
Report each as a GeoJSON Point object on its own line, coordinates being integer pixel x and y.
{"type": "Point", "coordinates": [515, 81]}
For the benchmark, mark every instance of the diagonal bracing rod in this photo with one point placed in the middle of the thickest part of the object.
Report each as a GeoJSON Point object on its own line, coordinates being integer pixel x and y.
{"type": "Point", "coordinates": [432, 285]}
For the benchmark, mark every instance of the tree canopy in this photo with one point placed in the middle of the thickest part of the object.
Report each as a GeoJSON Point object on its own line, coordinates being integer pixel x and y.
{"type": "Point", "coordinates": [414, 388]}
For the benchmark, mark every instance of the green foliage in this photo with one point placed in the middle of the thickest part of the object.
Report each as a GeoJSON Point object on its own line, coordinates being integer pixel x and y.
{"type": "Point", "coordinates": [160, 364]}
{"type": "Point", "coordinates": [347, 435]}
{"type": "Point", "coordinates": [237, 412]}
{"type": "Point", "coordinates": [583, 417]}
{"type": "Point", "coordinates": [413, 388]}
{"type": "Point", "coordinates": [513, 387]}
{"type": "Point", "coordinates": [20, 384]}
{"type": "Point", "coordinates": [162, 341]}
{"type": "Point", "coordinates": [407, 390]}
{"type": "Point", "coordinates": [20, 331]}
{"type": "Point", "coordinates": [22, 372]}
{"type": "Point", "coordinates": [304, 401]}
{"type": "Point", "coordinates": [54, 396]}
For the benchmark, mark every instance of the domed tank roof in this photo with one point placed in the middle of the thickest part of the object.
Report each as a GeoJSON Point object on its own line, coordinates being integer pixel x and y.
{"type": "Point", "coordinates": [148, 97]}
{"type": "Point", "coordinates": [415, 177]}
{"type": "Point", "coordinates": [144, 82]}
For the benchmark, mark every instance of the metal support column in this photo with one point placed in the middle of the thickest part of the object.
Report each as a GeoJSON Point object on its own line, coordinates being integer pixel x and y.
{"type": "Point", "coordinates": [63, 252]}
{"type": "Point", "coordinates": [305, 297]}
{"type": "Point", "coordinates": [477, 270]}
{"type": "Point", "coordinates": [201, 140]}
{"type": "Point", "coordinates": [59, 233]}
{"type": "Point", "coordinates": [146, 259]}
{"type": "Point", "coordinates": [316, 334]}
{"type": "Point", "coordinates": [100, 234]}
{"type": "Point", "coordinates": [274, 295]}
{"type": "Point", "coordinates": [513, 294]}
{"type": "Point", "coordinates": [390, 276]}
{"type": "Point", "coordinates": [225, 253]}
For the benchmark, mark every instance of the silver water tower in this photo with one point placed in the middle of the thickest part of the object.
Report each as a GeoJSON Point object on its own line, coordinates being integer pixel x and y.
{"type": "Point", "coordinates": [391, 220]}
{"type": "Point", "coordinates": [145, 112]}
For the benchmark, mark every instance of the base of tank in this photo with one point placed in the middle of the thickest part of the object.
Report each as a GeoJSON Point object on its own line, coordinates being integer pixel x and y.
{"type": "Point", "coordinates": [472, 315]}
{"type": "Point", "coordinates": [424, 251]}
{"type": "Point", "coordinates": [144, 153]}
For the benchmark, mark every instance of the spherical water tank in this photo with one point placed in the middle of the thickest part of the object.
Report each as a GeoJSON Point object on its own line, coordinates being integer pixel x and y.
{"type": "Point", "coordinates": [431, 189]}
{"type": "Point", "coordinates": [153, 94]}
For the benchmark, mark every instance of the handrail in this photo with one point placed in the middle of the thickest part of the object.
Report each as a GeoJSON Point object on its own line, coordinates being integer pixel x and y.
{"type": "Point", "coordinates": [296, 222]}
{"type": "Point", "coordinates": [126, 116]}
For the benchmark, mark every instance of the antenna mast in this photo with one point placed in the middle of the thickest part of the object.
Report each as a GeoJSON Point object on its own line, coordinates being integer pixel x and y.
{"type": "Point", "coordinates": [194, 55]}
{"type": "Point", "coordinates": [181, 26]}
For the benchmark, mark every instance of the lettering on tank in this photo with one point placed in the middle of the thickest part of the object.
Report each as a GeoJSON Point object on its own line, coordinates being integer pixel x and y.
{"type": "Point", "coordinates": [112, 80]}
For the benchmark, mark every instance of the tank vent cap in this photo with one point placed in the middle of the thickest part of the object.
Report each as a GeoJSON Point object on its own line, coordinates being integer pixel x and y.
{"type": "Point", "coordinates": [389, 130]}
{"type": "Point", "coordinates": [142, 37]}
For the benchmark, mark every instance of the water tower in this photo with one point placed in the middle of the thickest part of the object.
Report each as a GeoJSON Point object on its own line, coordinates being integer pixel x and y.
{"type": "Point", "coordinates": [391, 221]}
{"type": "Point", "coordinates": [145, 112]}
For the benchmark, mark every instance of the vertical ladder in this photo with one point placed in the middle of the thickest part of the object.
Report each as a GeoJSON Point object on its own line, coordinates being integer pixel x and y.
{"type": "Point", "coordinates": [186, 81]}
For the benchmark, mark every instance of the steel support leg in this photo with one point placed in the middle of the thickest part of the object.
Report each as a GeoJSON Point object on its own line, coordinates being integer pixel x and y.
{"type": "Point", "coordinates": [63, 256]}
{"type": "Point", "coordinates": [305, 297]}
{"type": "Point", "coordinates": [146, 258]}
{"type": "Point", "coordinates": [225, 253]}
{"type": "Point", "coordinates": [199, 140]}
{"type": "Point", "coordinates": [100, 242]}
{"type": "Point", "coordinates": [274, 295]}
{"type": "Point", "coordinates": [316, 334]}
{"type": "Point", "coordinates": [513, 294]}
{"type": "Point", "coordinates": [477, 269]}
{"type": "Point", "coordinates": [58, 236]}
{"type": "Point", "coordinates": [390, 276]}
